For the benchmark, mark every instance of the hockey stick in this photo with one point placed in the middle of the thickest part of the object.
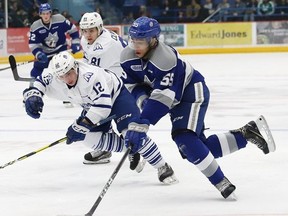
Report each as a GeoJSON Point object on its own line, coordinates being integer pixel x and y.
{"type": "Point", "coordinates": [109, 182]}
{"type": "Point", "coordinates": [13, 65]}
{"type": "Point", "coordinates": [52, 144]}
{"type": "Point", "coordinates": [34, 152]}
{"type": "Point", "coordinates": [19, 64]}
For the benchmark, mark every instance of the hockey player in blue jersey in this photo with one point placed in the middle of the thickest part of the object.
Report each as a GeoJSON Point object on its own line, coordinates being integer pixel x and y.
{"type": "Point", "coordinates": [163, 82]}
{"type": "Point", "coordinates": [101, 94]}
{"type": "Point", "coordinates": [48, 37]}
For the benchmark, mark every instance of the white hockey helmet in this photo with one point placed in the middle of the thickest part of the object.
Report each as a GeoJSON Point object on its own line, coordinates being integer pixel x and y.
{"type": "Point", "coordinates": [92, 20]}
{"type": "Point", "coordinates": [62, 63]}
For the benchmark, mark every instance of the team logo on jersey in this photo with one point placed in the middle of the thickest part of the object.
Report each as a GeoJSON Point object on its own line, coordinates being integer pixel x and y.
{"type": "Point", "coordinates": [136, 67]}
{"type": "Point", "coordinates": [87, 76]}
{"type": "Point", "coordinates": [177, 118]}
{"type": "Point", "coordinates": [52, 40]}
{"type": "Point", "coordinates": [42, 31]}
{"type": "Point", "coordinates": [47, 78]}
{"type": "Point", "coordinates": [125, 116]}
{"type": "Point", "coordinates": [97, 47]}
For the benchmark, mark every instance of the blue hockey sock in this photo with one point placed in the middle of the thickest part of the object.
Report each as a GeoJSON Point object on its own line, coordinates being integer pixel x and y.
{"type": "Point", "coordinates": [197, 153]}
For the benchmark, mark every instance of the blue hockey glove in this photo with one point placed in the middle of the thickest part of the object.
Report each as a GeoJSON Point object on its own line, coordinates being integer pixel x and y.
{"type": "Point", "coordinates": [42, 57]}
{"type": "Point", "coordinates": [75, 48]}
{"type": "Point", "coordinates": [136, 133]}
{"type": "Point", "coordinates": [77, 131]}
{"type": "Point", "coordinates": [33, 102]}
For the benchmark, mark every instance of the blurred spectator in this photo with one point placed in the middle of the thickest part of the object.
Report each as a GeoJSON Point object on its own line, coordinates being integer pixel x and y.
{"type": "Point", "coordinates": [209, 6]}
{"type": "Point", "coordinates": [167, 14]}
{"type": "Point", "coordinates": [237, 11]}
{"type": "Point", "coordinates": [33, 15]}
{"type": "Point", "coordinates": [99, 11]}
{"type": "Point", "coordinates": [65, 14]}
{"type": "Point", "coordinates": [15, 13]}
{"type": "Point", "coordinates": [71, 19]}
{"type": "Point", "coordinates": [251, 10]}
{"type": "Point", "coordinates": [181, 18]}
{"type": "Point", "coordinates": [281, 9]}
{"type": "Point", "coordinates": [143, 11]}
{"type": "Point", "coordinates": [265, 8]}
{"type": "Point", "coordinates": [181, 11]}
{"type": "Point", "coordinates": [128, 19]}
{"type": "Point", "coordinates": [153, 3]}
{"type": "Point", "coordinates": [193, 12]}
{"type": "Point", "coordinates": [224, 7]}
{"type": "Point", "coordinates": [55, 11]}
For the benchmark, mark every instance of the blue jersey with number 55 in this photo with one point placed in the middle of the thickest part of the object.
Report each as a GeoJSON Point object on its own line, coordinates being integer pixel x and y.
{"type": "Point", "coordinates": [163, 77]}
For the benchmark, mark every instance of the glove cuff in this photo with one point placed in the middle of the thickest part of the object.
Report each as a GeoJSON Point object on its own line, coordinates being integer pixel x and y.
{"type": "Point", "coordinates": [75, 41]}
{"type": "Point", "coordinates": [139, 127]}
{"type": "Point", "coordinates": [37, 54]}
{"type": "Point", "coordinates": [32, 91]}
{"type": "Point", "coordinates": [80, 127]}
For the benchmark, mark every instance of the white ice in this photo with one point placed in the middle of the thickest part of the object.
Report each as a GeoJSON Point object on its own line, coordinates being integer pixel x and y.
{"type": "Point", "coordinates": [54, 182]}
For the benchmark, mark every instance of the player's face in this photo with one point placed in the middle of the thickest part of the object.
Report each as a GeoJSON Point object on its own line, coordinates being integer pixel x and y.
{"type": "Point", "coordinates": [141, 46]}
{"type": "Point", "coordinates": [70, 78]}
{"type": "Point", "coordinates": [90, 34]}
{"type": "Point", "coordinates": [45, 16]}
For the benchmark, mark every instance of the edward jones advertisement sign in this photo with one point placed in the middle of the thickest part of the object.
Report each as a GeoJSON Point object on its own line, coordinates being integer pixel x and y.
{"type": "Point", "coordinates": [215, 34]}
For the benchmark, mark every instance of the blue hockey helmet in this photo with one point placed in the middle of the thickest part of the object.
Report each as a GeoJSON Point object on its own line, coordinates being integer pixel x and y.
{"type": "Point", "coordinates": [144, 27]}
{"type": "Point", "coordinates": [45, 7]}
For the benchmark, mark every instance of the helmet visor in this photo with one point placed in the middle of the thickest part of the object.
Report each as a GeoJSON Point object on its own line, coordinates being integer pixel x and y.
{"type": "Point", "coordinates": [139, 43]}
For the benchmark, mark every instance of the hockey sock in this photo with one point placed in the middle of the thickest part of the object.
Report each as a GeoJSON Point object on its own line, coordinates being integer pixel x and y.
{"type": "Point", "coordinates": [151, 153]}
{"type": "Point", "coordinates": [224, 144]}
{"type": "Point", "coordinates": [198, 154]}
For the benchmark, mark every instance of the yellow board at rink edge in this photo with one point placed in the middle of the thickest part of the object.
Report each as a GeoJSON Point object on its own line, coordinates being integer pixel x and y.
{"type": "Point", "coordinates": [219, 34]}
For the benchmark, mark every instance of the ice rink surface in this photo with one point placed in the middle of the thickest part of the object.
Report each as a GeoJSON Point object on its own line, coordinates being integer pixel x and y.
{"type": "Point", "coordinates": [54, 182]}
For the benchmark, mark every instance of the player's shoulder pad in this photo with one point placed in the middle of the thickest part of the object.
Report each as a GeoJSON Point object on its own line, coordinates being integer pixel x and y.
{"type": "Point", "coordinates": [58, 18]}
{"type": "Point", "coordinates": [127, 54]}
{"type": "Point", "coordinates": [163, 57]}
{"type": "Point", "coordinates": [36, 25]}
{"type": "Point", "coordinates": [86, 71]}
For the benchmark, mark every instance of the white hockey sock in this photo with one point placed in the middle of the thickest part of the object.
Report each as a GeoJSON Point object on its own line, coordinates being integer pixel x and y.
{"type": "Point", "coordinates": [151, 153]}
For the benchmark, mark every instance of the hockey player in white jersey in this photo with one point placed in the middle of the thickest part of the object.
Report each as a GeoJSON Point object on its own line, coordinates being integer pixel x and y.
{"type": "Point", "coordinates": [102, 48]}
{"type": "Point", "coordinates": [162, 81]}
{"type": "Point", "coordinates": [101, 94]}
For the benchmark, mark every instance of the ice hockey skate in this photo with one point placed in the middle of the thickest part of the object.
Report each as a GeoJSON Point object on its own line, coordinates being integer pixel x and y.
{"type": "Point", "coordinates": [166, 175]}
{"type": "Point", "coordinates": [226, 188]}
{"type": "Point", "coordinates": [136, 163]}
{"type": "Point", "coordinates": [259, 133]}
{"type": "Point", "coordinates": [97, 157]}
